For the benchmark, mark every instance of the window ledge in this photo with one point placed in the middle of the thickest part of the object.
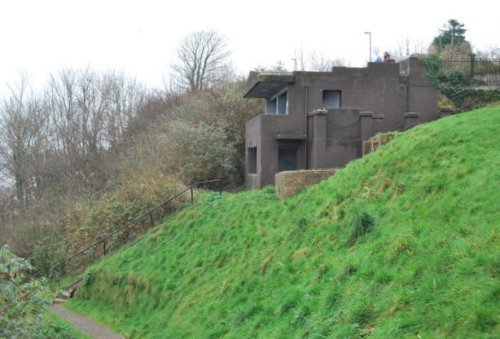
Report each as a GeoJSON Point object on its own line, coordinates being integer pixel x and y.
{"type": "Point", "coordinates": [291, 137]}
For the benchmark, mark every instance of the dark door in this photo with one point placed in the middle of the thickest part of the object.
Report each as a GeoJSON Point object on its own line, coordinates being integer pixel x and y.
{"type": "Point", "coordinates": [287, 159]}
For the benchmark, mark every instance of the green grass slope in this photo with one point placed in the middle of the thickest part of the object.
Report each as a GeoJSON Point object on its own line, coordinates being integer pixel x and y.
{"type": "Point", "coordinates": [401, 243]}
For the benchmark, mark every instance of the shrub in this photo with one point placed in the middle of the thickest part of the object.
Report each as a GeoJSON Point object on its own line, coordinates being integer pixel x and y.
{"type": "Point", "coordinates": [23, 300]}
{"type": "Point", "coordinates": [202, 152]}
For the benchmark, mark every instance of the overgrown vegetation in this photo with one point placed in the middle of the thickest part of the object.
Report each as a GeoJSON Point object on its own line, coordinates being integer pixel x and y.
{"type": "Point", "coordinates": [92, 150]}
{"type": "Point", "coordinates": [401, 243]}
{"type": "Point", "coordinates": [459, 74]}
{"type": "Point", "coordinates": [23, 300]}
{"type": "Point", "coordinates": [459, 85]}
{"type": "Point", "coordinates": [172, 140]}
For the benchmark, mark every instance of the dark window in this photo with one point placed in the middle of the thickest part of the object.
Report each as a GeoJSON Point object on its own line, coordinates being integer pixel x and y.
{"type": "Point", "coordinates": [271, 106]}
{"type": "Point", "coordinates": [282, 103]}
{"type": "Point", "coordinates": [252, 160]}
{"type": "Point", "coordinates": [278, 105]}
{"type": "Point", "coordinates": [331, 99]}
{"type": "Point", "coordinates": [287, 159]}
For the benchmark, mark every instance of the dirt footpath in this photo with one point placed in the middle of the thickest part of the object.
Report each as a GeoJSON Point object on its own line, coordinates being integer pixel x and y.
{"type": "Point", "coordinates": [84, 324]}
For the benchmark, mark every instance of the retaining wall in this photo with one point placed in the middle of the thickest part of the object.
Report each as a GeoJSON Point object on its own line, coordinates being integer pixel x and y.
{"type": "Point", "coordinates": [288, 183]}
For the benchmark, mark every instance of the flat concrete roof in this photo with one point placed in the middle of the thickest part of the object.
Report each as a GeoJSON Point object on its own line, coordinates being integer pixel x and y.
{"type": "Point", "coordinates": [265, 85]}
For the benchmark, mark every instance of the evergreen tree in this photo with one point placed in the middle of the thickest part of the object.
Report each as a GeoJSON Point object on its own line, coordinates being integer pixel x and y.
{"type": "Point", "coordinates": [452, 34]}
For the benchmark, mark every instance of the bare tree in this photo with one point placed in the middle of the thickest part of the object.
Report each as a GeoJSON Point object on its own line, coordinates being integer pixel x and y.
{"type": "Point", "coordinates": [23, 122]}
{"type": "Point", "coordinates": [315, 61]}
{"type": "Point", "coordinates": [90, 113]}
{"type": "Point", "coordinates": [299, 63]}
{"type": "Point", "coordinates": [124, 98]}
{"type": "Point", "coordinates": [203, 61]}
{"type": "Point", "coordinates": [5, 211]}
{"type": "Point", "coordinates": [491, 53]}
{"type": "Point", "coordinates": [322, 63]}
{"type": "Point", "coordinates": [407, 47]}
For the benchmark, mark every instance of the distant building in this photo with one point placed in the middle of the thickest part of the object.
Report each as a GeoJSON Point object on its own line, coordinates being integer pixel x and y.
{"type": "Point", "coordinates": [316, 120]}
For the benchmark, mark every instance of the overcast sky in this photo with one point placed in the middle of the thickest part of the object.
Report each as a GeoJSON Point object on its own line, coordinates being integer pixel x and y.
{"type": "Point", "coordinates": [140, 37]}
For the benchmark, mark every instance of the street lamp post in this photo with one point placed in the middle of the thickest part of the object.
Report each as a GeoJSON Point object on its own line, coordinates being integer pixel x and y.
{"type": "Point", "coordinates": [369, 46]}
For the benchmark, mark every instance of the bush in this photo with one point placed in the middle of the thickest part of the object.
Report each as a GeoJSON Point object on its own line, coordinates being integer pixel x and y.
{"type": "Point", "coordinates": [202, 152]}
{"type": "Point", "coordinates": [23, 300]}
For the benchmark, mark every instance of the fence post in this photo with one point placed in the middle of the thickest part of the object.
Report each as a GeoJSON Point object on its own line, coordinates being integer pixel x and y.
{"type": "Point", "coordinates": [472, 65]}
{"type": "Point", "coordinates": [192, 197]}
{"type": "Point", "coordinates": [104, 246]}
{"type": "Point", "coordinates": [151, 219]}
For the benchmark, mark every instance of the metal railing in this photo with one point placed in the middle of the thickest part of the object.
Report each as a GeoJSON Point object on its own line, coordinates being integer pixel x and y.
{"type": "Point", "coordinates": [109, 240]}
{"type": "Point", "coordinates": [480, 72]}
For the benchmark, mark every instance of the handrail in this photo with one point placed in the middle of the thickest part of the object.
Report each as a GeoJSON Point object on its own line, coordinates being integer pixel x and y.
{"type": "Point", "coordinates": [102, 239]}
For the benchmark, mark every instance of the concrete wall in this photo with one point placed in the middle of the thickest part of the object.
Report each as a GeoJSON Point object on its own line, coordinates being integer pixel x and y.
{"type": "Point", "coordinates": [336, 135]}
{"type": "Point", "coordinates": [267, 133]}
{"type": "Point", "coordinates": [291, 182]}
{"type": "Point", "coordinates": [376, 88]}
{"type": "Point", "coordinates": [421, 96]}
{"type": "Point", "coordinates": [253, 139]}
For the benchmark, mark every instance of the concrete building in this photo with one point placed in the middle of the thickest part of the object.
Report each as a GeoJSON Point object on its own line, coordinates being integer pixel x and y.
{"type": "Point", "coordinates": [316, 120]}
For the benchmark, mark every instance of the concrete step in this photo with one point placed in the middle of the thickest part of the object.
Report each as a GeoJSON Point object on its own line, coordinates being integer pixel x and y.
{"type": "Point", "coordinates": [70, 291]}
{"type": "Point", "coordinates": [58, 300]}
{"type": "Point", "coordinates": [65, 295]}
{"type": "Point", "coordinates": [75, 283]}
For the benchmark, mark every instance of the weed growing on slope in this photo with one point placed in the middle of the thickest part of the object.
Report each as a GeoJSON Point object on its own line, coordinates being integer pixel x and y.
{"type": "Point", "coordinates": [363, 222]}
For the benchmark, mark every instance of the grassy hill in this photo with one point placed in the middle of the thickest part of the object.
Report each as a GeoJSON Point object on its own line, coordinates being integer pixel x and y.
{"type": "Point", "coordinates": [401, 243]}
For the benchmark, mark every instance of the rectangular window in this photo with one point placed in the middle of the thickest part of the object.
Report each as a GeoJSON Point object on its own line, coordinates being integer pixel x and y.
{"type": "Point", "coordinates": [331, 99]}
{"type": "Point", "coordinates": [252, 160]}
{"type": "Point", "coordinates": [271, 106]}
{"type": "Point", "coordinates": [282, 102]}
{"type": "Point", "coordinates": [278, 105]}
{"type": "Point", "coordinates": [287, 159]}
